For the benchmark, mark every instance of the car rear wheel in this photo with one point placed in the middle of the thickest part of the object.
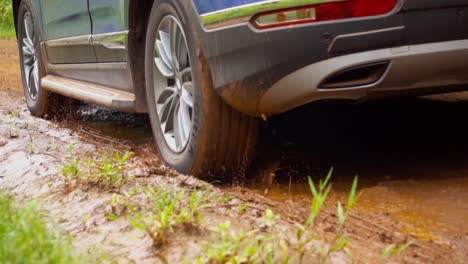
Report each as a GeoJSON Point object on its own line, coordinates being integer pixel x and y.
{"type": "Point", "coordinates": [195, 131]}
{"type": "Point", "coordinates": [40, 102]}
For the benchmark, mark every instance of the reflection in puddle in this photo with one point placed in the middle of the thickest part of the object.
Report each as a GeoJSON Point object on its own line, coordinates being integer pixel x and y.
{"type": "Point", "coordinates": [411, 157]}
{"type": "Point", "coordinates": [429, 208]}
{"type": "Point", "coordinates": [125, 127]}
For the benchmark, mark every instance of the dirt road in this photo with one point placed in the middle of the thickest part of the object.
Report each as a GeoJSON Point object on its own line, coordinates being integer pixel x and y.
{"type": "Point", "coordinates": [411, 156]}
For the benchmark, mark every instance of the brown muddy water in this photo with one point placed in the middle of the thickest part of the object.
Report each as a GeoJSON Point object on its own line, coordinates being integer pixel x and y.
{"type": "Point", "coordinates": [411, 156]}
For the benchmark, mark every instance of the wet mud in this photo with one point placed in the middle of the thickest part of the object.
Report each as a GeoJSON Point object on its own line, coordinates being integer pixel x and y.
{"type": "Point", "coordinates": [411, 156]}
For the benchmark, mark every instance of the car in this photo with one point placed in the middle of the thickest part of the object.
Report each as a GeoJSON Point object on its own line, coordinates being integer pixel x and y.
{"type": "Point", "coordinates": [208, 71]}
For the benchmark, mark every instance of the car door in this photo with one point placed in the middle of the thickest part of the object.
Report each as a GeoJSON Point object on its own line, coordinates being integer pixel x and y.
{"type": "Point", "coordinates": [67, 31]}
{"type": "Point", "coordinates": [110, 29]}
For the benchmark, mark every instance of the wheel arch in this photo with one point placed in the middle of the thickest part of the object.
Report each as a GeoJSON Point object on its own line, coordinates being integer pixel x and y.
{"type": "Point", "coordinates": [15, 4]}
{"type": "Point", "coordinates": [139, 12]}
{"type": "Point", "coordinates": [37, 13]}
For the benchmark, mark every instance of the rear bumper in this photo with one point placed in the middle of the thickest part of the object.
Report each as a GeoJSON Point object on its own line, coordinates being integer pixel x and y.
{"type": "Point", "coordinates": [442, 64]}
{"type": "Point", "coordinates": [247, 64]}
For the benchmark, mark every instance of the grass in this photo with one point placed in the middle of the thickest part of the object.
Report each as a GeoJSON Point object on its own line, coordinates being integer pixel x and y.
{"type": "Point", "coordinates": [26, 238]}
{"type": "Point", "coordinates": [13, 116]}
{"type": "Point", "coordinates": [253, 246]}
{"type": "Point", "coordinates": [7, 33]}
{"type": "Point", "coordinates": [7, 29]}
{"type": "Point", "coordinates": [168, 210]}
{"type": "Point", "coordinates": [394, 250]}
{"type": "Point", "coordinates": [160, 212]}
{"type": "Point", "coordinates": [106, 171]}
{"type": "Point", "coordinates": [270, 246]}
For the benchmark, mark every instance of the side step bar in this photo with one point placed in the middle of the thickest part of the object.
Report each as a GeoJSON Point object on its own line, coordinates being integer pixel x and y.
{"type": "Point", "coordinates": [91, 93]}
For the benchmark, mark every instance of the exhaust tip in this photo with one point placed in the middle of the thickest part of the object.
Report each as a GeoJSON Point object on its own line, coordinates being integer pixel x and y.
{"type": "Point", "coordinates": [356, 76]}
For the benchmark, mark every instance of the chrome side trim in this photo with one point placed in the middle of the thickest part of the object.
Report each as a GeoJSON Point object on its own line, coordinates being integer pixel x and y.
{"type": "Point", "coordinates": [106, 47]}
{"type": "Point", "coordinates": [114, 40]}
{"type": "Point", "coordinates": [71, 41]}
{"type": "Point", "coordinates": [115, 74]}
{"type": "Point", "coordinates": [75, 49]}
{"type": "Point", "coordinates": [244, 13]}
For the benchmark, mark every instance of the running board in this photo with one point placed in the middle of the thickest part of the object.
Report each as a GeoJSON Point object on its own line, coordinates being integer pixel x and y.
{"type": "Point", "coordinates": [89, 92]}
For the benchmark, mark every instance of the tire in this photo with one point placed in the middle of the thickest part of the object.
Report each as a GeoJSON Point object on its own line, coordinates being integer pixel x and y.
{"type": "Point", "coordinates": [40, 102]}
{"type": "Point", "coordinates": [222, 140]}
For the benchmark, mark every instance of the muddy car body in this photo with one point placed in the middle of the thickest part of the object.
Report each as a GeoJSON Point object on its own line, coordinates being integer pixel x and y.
{"type": "Point", "coordinates": [205, 70]}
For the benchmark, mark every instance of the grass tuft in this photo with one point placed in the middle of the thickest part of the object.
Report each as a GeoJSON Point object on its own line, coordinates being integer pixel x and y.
{"type": "Point", "coordinates": [26, 238]}
{"type": "Point", "coordinates": [106, 172]}
{"type": "Point", "coordinates": [267, 245]}
{"type": "Point", "coordinates": [7, 28]}
{"type": "Point", "coordinates": [167, 210]}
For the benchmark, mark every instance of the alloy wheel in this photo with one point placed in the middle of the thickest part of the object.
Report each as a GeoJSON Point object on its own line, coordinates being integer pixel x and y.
{"type": "Point", "coordinates": [30, 57]}
{"type": "Point", "coordinates": [173, 84]}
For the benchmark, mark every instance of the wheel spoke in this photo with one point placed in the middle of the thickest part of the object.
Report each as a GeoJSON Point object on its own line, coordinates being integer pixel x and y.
{"type": "Point", "coordinates": [36, 78]}
{"type": "Point", "coordinates": [165, 94]}
{"type": "Point", "coordinates": [170, 118]}
{"type": "Point", "coordinates": [164, 48]}
{"type": "Point", "coordinates": [187, 94]}
{"type": "Point", "coordinates": [28, 46]}
{"type": "Point", "coordinates": [177, 47]}
{"type": "Point", "coordinates": [166, 108]}
{"type": "Point", "coordinates": [185, 120]}
{"type": "Point", "coordinates": [28, 26]}
{"type": "Point", "coordinates": [30, 79]}
{"type": "Point", "coordinates": [168, 73]}
{"type": "Point", "coordinates": [177, 128]}
{"type": "Point", "coordinates": [166, 111]}
{"type": "Point", "coordinates": [163, 55]}
{"type": "Point", "coordinates": [174, 45]}
{"type": "Point", "coordinates": [28, 61]}
{"type": "Point", "coordinates": [27, 75]}
{"type": "Point", "coordinates": [26, 49]}
{"type": "Point", "coordinates": [186, 74]}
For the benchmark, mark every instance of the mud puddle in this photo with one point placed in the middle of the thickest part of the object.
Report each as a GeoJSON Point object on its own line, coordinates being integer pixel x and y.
{"type": "Point", "coordinates": [411, 157]}
{"type": "Point", "coordinates": [123, 128]}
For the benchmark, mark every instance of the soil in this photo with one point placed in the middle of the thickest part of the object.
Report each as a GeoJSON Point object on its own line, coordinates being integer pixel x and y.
{"type": "Point", "coordinates": [410, 154]}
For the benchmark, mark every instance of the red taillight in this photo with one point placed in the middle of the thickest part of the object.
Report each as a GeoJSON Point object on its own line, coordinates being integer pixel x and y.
{"type": "Point", "coordinates": [323, 12]}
